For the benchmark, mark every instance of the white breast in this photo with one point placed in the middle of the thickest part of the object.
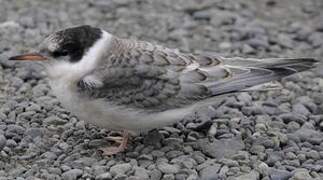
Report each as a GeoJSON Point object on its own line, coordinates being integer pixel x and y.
{"type": "Point", "coordinates": [105, 115]}
{"type": "Point", "coordinates": [91, 111]}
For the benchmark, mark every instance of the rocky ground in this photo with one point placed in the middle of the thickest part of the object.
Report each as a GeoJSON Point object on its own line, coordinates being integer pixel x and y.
{"type": "Point", "coordinates": [274, 135]}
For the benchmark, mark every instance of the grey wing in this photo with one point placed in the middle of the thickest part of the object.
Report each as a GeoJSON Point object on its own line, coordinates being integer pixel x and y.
{"type": "Point", "coordinates": [157, 79]}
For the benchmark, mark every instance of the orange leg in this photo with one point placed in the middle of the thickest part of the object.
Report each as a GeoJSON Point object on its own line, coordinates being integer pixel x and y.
{"type": "Point", "coordinates": [121, 140]}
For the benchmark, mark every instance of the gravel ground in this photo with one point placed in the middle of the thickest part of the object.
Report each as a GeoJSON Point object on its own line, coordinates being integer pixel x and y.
{"type": "Point", "coordinates": [274, 135]}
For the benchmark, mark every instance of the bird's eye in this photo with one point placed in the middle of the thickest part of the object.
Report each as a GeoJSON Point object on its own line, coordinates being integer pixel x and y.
{"type": "Point", "coordinates": [60, 53]}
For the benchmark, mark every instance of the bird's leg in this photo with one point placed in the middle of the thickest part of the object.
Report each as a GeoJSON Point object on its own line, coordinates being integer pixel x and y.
{"type": "Point", "coordinates": [121, 140]}
{"type": "Point", "coordinates": [116, 139]}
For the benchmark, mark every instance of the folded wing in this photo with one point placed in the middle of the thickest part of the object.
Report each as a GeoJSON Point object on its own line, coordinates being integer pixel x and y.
{"type": "Point", "coordinates": [156, 78]}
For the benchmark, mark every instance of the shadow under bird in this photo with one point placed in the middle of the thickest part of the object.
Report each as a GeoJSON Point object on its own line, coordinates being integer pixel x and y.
{"type": "Point", "coordinates": [134, 86]}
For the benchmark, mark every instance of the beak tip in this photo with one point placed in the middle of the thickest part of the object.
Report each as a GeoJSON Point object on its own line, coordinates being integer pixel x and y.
{"type": "Point", "coordinates": [11, 58]}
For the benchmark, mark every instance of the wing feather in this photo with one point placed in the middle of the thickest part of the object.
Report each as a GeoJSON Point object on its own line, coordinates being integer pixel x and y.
{"type": "Point", "coordinates": [141, 75]}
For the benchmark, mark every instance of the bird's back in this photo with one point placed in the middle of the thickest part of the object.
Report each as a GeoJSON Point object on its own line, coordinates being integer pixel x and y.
{"type": "Point", "coordinates": [143, 76]}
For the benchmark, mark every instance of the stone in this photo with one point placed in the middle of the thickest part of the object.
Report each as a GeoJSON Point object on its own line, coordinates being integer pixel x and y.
{"type": "Point", "coordinates": [155, 174]}
{"type": "Point", "coordinates": [305, 133]}
{"type": "Point", "coordinates": [3, 141]}
{"type": "Point", "coordinates": [120, 169]}
{"type": "Point", "coordinates": [278, 174]}
{"type": "Point", "coordinates": [168, 177]}
{"type": "Point", "coordinates": [84, 161]}
{"type": "Point", "coordinates": [202, 15]}
{"type": "Point", "coordinates": [72, 174]}
{"type": "Point", "coordinates": [313, 155]}
{"type": "Point", "coordinates": [288, 117]}
{"type": "Point", "coordinates": [34, 132]}
{"type": "Point", "coordinates": [168, 168]}
{"type": "Point", "coordinates": [301, 174]}
{"type": "Point", "coordinates": [104, 176]}
{"type": "Point", "coordinates": [14, 130]}
{"type": "Point", "coordinates": [153, 138]}
{"type": "Point", "coordinates": [210, 171]}
{"type": "Point", "coordinates": [253, 175]}
{"type": "Point", "coordinates": [54, 120]}
{"type": "Point", "coordinates": [300, 109]}
{"type": "Point", "coordinates": [141, 173]}
{"type": "Point", "coordinates": [221, 148]}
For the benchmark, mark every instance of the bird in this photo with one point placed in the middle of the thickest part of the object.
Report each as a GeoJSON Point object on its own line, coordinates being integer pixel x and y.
{"type": "Point", "coordinates": [130, 85]}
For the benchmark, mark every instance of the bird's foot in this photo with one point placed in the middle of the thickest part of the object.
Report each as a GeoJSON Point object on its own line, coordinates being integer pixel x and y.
{"type": "Point", "coordinates": [108, 151]}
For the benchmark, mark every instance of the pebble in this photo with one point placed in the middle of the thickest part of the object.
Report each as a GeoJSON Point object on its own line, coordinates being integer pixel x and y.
{"type": "Point", "coordinates": [301, 174]}
{"type": "Point", "coordinates": [104, 176]}
{"type": "Point", "coordinates": [313, 155]}
{"type": "Point", "coordinates": [301, 109]}
{"type": "Point", "coordinates": [168, 177]}
{"type": "Point", "coordinates": [3, 141]}
{"type": "Point", "coordinates": [72, 174]}
{"type": "Point", "coordinates": [210, 171]}
{"type": "Point", "coordinates": [54, 120]}
{"type": "Point", "coordinates": [220, 148]}
{"type": "Point", "coordinates": [34, 132]}
{"type": "Point", "coordinates": [14, 130]}
{"type": "Point", "coordinates": [155, 174]}
{"type": "Point", "coordinates": [278, 174]}
{"type": "Point", "coordinates": [253, 175]}
{"type": "Point", "coordinates": [120, 169]}
{"type": "Point", "coordinates": [141, 173]}
{"type": "Point", "coordinates": [168, 168]}
{"type": "Point", "coordinates": [288, 117]}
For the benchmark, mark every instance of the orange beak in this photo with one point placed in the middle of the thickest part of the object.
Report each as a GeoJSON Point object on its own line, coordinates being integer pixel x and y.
{"type": "Point", "coordinates": [29, 57]}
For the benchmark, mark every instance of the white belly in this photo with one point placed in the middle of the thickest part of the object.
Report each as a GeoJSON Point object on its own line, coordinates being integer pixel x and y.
{"type": "Point", "coordinates": [105, 115]}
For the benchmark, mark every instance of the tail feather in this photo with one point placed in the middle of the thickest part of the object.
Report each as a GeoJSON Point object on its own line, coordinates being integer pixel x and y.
{"type": "Point", "coordinates": [258, 72]}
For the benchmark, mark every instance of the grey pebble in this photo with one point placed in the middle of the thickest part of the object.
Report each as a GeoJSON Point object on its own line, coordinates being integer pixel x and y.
{"type": "Point", "coordinates": [72, 174]}
{"type": "Point", "coordinates": [84, 161]}
{"type": "Point", "coordinates": [278, 174]}
{"type": "Point", "coordinates": [18, 171]}
{"type": "Point", "coordinates": [54, 120]}
{"type": "Point", "coordinates": [13, 130]}
{"type": "Point", "coordinates": [288, 117]}
{"type": "Point", "coordinates": [155, 174]}
{"type": "Point", "coordinates": [104, 176]}
{"type": "Point", "coordinates": [99, 169]}
{"type": "Point", "coordinates": [120, 177]}
{"type": "Point", "coordinates": [220, 148]}
{"type": "Point", "coordinates": [3, 141]}
{"type": "Point", "coordinates": [141, 173]}
{"type": "Point", "coordinates": [120, 169]}
{"type": "Point", "coordinates": [11, 143]}
{"type": "Point", "coordinates": [301, 109]}
{"type": "Point", "coordinates": [34, 132]}
{"type": "Point", "coordinates": [306, 132]}
{"type": "Point", "coordinates": [152, 138]}
{"type": "Point", "coordinates": [313, 155]}
{"type": "Point", "coordinates": [210, 171]}
{"type": "Point", "coordinates": [168, 168]}
{"type": "Point", "coordinates": [253, 175]}
{"type": "Point", "coordinates": [301, 174]}
{"type": "Point", "coordinates": [168, 177]}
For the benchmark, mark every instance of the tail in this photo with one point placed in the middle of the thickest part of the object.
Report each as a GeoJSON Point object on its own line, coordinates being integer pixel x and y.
{"type": "Point", "coordinates": [247, 73]}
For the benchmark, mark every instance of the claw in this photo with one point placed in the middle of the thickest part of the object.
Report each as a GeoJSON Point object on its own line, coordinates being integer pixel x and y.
{"type": "Point", "coordinates": [108, 151]}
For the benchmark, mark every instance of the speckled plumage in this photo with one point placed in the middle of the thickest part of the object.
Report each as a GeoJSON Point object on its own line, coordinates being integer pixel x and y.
{"type": "Point", "coordinates": [145, 77]}
{"type": "Point", "coordinates": [135, 85]}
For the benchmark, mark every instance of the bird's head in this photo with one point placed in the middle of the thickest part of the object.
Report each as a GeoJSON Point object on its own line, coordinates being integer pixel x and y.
{"type": "Point", "coordinates": [68, 45]}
